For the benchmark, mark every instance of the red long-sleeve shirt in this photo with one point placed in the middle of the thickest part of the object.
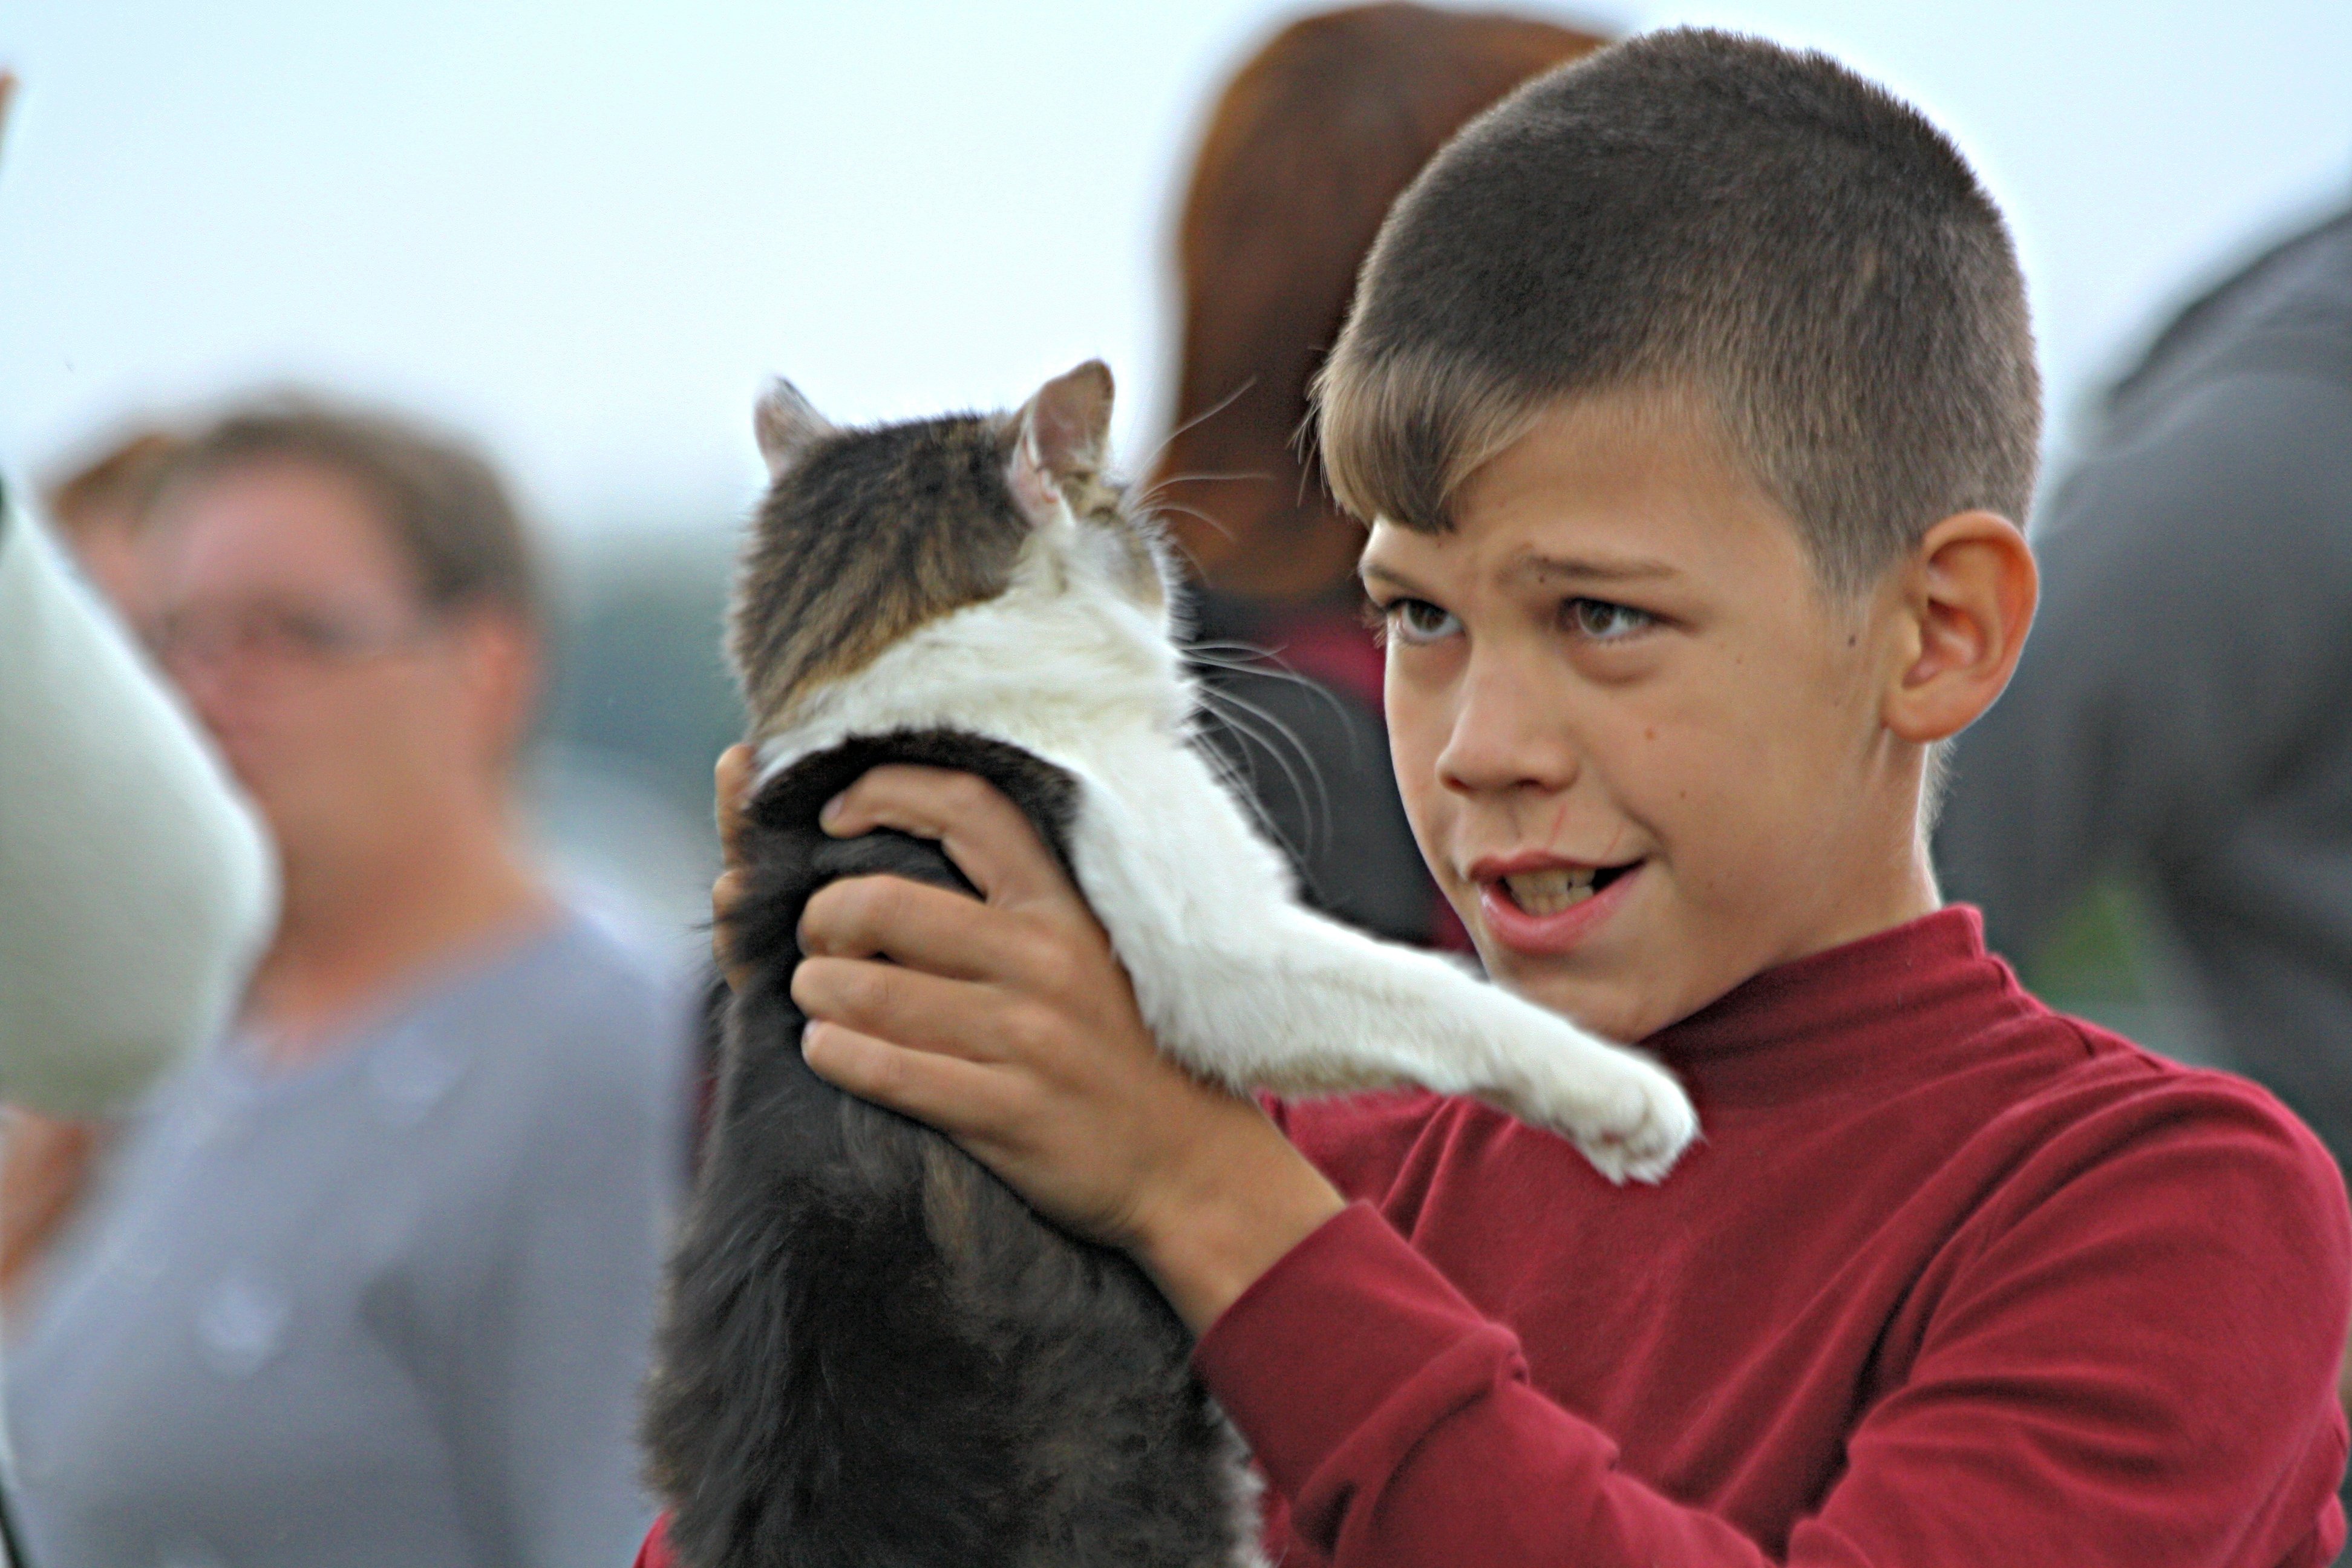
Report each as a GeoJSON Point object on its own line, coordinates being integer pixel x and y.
{"type": "Point", "coordinates": [1950, 1281]}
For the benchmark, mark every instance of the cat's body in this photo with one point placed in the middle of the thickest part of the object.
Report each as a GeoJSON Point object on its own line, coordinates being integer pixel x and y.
{"type": "Point", "coordinates": [874, 1355]}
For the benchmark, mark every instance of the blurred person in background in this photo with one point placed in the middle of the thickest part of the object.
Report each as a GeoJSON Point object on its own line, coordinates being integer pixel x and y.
{"type": "Point", "coordinates": [1307, 148]}
{"type": "Point", "coordinates": [372, 1281]}
{"type": "Point", "coordinates": [98, 514]}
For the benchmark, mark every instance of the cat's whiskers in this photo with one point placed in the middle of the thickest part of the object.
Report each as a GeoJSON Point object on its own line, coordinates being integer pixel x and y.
{"type": "Point", "coordinates": [1194, 423]}
{"type": "Point", "coordinates": [1231, 708]}
{"type": "Point", "coordinates": [1239, 780]}
{"type": "Point", "coordinates": [1156, 492]}
{"type": "Point", "coordinates": [1162, 506]}
{"type": "Point", "coordinates": [1247, 658]}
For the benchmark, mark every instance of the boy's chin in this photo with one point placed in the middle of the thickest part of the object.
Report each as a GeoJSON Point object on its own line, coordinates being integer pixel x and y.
{"type": "Point", "coordinates": [1615, 1007]}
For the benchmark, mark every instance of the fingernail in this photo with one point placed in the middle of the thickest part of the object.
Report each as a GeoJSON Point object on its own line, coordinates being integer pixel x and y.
{"type": "Point", "coordinates": [831, 816]}
{"type": "Point", "coordinates": [808, 1032]}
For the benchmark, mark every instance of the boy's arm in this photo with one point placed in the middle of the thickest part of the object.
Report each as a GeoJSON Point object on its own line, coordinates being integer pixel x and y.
{"type": "Point", "coordinates": [2131, 1372]}
{"type": "Point", "coordinates": [2137, 1369]}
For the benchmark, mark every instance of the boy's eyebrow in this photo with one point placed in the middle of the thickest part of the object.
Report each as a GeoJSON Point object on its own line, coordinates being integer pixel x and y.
{"type": "Point", "coordinates": [1371, 569]}
{"type": "Point", "coordinates": [1543, 568]}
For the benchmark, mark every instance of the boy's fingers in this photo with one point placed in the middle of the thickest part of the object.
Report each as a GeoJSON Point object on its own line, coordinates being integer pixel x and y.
{"type": "Point", "coordinates": [984, 833]}
{"type": "Point", "coordinates": [959, 1097]}
{"type": "Point", "coordinates": [734, 780]}
{"type": "Point", "coordinates": [891, 1002]}
{"type": "Point", "coordinates": [912, 923]}
{"type": "Point", "coordinates": [725, 893]}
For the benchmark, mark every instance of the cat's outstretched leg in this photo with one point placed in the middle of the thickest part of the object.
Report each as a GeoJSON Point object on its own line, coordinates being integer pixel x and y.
{"type": "Point", "coordinates": [1322, 1010]}
{"type": "Point", "coordinates": [1246, 986]}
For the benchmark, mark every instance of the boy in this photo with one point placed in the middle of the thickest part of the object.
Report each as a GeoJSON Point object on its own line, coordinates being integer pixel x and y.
{"type": "Point", "coordinates": [1689, 394]}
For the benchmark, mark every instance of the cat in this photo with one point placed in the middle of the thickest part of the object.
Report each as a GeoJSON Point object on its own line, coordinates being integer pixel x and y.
{"type": "Point", "coordinates": [873, 1353]}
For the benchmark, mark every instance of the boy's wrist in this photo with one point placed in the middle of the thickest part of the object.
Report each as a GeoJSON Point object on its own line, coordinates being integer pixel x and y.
{"type": "Point", "coordinates": [1219, 1226]}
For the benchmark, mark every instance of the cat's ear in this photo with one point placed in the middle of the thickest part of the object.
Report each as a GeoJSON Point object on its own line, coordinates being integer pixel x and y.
{"type": "Point", "coordinates": [787, 426]}
{"type": "Point", "coordinates": [1061, 435]}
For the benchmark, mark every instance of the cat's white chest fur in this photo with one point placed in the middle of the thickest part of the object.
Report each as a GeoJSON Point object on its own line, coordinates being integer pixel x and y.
{"type": "Point", "coordinates": [1236, 978]}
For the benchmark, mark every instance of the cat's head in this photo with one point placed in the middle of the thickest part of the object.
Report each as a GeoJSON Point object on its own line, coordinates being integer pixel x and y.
{"type": "Point", "coordinates": [866, 535]}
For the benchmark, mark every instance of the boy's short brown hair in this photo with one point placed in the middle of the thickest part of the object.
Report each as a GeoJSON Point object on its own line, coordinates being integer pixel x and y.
{"type": "Point", "coordinates": [447, 513]}
{"type": "Point", "coordinates": [1694, 210]}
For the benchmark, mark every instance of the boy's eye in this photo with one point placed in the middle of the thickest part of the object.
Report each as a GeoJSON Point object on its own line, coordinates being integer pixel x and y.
{"type": "Point", "coordinates": [1604, 621]}
{"type": "Point", "coordinates": [1419, 621]}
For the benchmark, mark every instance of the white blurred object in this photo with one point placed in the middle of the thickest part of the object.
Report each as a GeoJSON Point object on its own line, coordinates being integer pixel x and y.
{"type": "Point", "coordinates": [135, 888]}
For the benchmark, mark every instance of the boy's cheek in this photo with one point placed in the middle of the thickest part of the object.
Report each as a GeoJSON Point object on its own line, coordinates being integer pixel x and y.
{"type": "Point", "coordinates": [1430, 811]}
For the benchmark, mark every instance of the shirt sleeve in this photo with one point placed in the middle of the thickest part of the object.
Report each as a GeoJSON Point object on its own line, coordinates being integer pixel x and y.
{"type": "Point", "coordinates": [2190, 650]}
{"type": "Point", "coordinates": [134, 886]}
{"type": "Point", "coordinates": [2138, 1369]}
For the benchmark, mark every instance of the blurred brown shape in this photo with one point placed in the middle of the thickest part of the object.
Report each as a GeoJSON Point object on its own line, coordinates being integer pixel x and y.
{"type": "Point", "coordinates": [99, 509]}
{"type": "Point", "coordinates": [116, 484]}
{"type": "Point", "coordinates": [44, 1169]}
{"type": "Point", "coordinates": [1307, 149]}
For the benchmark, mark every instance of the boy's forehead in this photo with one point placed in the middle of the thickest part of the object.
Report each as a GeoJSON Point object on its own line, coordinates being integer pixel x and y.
{"type": "Point", "coordinates": [1618, 485]}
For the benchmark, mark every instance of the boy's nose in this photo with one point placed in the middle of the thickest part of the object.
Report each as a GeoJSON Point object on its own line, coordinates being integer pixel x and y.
{"type": "Point", "coordinates": [1502, 736]}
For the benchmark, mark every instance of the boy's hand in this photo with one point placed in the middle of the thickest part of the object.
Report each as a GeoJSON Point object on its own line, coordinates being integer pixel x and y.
{"type": "Point", "coordinates": [1012, 1027]}
{"type": "Point", "coordinates": [736, 766]}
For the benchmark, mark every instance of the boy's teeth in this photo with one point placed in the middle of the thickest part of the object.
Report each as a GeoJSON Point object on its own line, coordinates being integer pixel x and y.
{"type": "Point", "coordinates": [1549, 892]}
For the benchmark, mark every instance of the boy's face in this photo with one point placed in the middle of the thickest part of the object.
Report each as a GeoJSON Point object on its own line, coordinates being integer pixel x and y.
{"type": "Point", "coordinates": [1639, 745]}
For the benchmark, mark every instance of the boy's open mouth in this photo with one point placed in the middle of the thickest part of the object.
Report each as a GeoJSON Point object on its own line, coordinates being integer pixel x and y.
{"type": "Point", "coordinates": [1558, 887]}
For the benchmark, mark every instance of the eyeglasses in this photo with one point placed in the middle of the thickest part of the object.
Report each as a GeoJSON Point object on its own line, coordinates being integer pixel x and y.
{"type": "Point", "coordinates": [278, 637]}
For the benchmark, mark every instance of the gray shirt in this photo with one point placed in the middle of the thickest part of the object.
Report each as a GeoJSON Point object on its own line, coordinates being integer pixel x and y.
{"type": "Point", "coordinates": [391, 1308]}
{"type": "Point", "coordinates": [2183, 711]}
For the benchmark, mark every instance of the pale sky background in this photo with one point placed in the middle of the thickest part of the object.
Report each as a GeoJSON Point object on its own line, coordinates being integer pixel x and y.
{"type": "Point", "coordinates": [588, 231]}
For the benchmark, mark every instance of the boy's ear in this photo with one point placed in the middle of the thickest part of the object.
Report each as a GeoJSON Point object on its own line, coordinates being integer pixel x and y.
{"type": "Point", "coordinates": [1968, 597]}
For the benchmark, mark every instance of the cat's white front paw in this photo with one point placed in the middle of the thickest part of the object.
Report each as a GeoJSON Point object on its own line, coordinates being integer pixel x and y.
{"type": "Point", "coordinates": [1644, 1145]}
{"type": "Point", "coordinates": [1627, 1113]}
